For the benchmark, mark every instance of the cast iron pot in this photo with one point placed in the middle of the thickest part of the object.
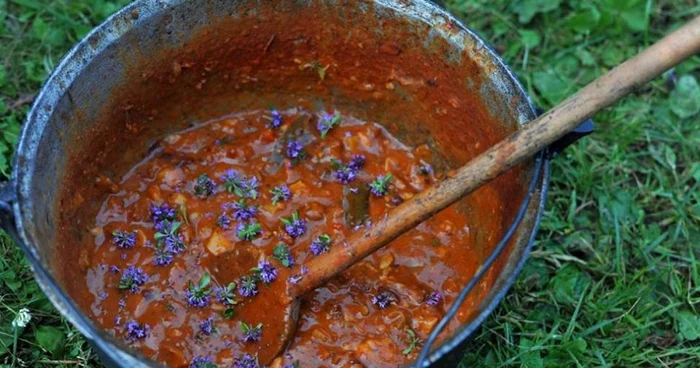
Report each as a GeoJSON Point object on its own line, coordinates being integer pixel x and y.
{"type": "Point", "coordinates": [163, 65]}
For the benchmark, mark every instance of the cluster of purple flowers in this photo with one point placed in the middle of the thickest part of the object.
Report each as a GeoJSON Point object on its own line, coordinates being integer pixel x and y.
{"type": "Point", "coordinates": [251, 333]}
{"type": "Point", "coordinates": [248, 286]}
{"type": "Point", "coordinates": [169, 242]}
{"type": "Point", "coordinates": [136, 331]}
{"type": "Point", "coordinates": [294, 225]}
{"type": "Point", "coordinates": [204, 186]}
{"type": "Point", "coordinates": [240, 185]}
{"type": "Point", "coordinates": [225, 294]}
{"type": "Point", "coordinates": [247, 229]}
{"type": "Point", "coordinates": [243, 211]}
{"type": "Point", "coordinates": [246, 361]}
{"type": "Point", "coordinates": [434, 298]}
{"type": "Point", "coordinates": [223, 221]}
{"type": "Point", "coordinates": [265, 271]}
{"type": "Point", "coordinates": [132, 278]}
{"type": "Point", "coordinates": [162, 213]}
{"type": "Point", "coordinates": [280, 193]}
{"type": "Point", "coordinates": [199, 295]}
{"type": "Point", "coordinates": [383, 299]}
{"type": "Point", "coordinates": [327, 122]}
{"type": "Point", "coordinates": [321, 244]}
{"type": "Point", "coordinates": [206, 327]}
{"type": "Point", "coordinates": [124, 239]}
{"type": "Point", "coordinates": [202, 362]}
{"type": "Point", "coordinates": [169, 235]}
{"type": "Point", "coordinates": [275, 119]}
{"type": "Point", "coordinates": [380, 186]}
{"type": "Point", "coordinates": [347, 173]}
{"type": "Point", "coordinates": [295, 150]}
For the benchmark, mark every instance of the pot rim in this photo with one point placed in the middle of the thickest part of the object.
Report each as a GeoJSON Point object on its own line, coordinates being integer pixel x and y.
{"type": "Point", "coordinates": [123, 21]}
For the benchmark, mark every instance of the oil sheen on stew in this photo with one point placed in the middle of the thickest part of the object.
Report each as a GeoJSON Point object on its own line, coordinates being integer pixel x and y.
{"type": "Point", "coordinates": [217, 214]}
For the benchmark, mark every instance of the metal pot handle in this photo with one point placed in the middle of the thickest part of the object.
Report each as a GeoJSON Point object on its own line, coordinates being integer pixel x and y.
{"type": "Point", "coordinates": [7, 197]}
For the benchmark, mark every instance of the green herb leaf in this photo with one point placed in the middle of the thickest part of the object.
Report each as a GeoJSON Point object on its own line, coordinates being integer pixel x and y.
{"type": "Point", "coordinates": [205, 280]}
{"type": "Point", "coordinates": [282, 254]}
{"type": "Point", "coordinates": [229, 313]}
{"type": "Point", "coordinates": [530, 38]}
{"type": "Point", "coordinates": [51, 339]}
{"type": "Point", "coordinates": [688, 325]}
{"type": "Point", "coordinates": [413, 342]}
{"type": "Point", "coordinates": [685, 98]}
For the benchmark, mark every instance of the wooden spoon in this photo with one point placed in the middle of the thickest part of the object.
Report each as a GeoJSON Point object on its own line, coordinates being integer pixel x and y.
{"type": "Point", "coordinates": [519, 146]}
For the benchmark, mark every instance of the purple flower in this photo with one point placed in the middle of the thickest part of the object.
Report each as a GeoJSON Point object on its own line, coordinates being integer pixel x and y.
{"type": "Point", "coordinates": [295, 279]}
{"type": "Point", "coordinates": [117, 321]}
{"type": "Point", "coordinates": [164, 256]}
{"type": "Point", "coordinates": [294, 149]}
{"type": "Point", "coordinates": [265, 271]}
{"type": "Point", "coordinates": [162, 213]}
{"type": "Point", "coordinates": [136, 331]}
{"type": "Point", "coordinates": [206, 327]}
{"type": "Point", "coordinates": [199, 296]}
{"type": "Point", "coordinates": [175, 243]}
{"type": "Point", "coordinates": [248, 287]}
{"type": "Point", "coordinates": [380, 186]}
{"type": "Point", "coordinates": [168, 236]}
{"type": "Point", "coordinates": [280, 193]}
{"type": "Point", "coordinates": [225, 294]}
{"type": "Point", "coordinates": [248, 231]}
{"type": "Point", "coordinates": [434, 298]}
{"type": "Point", "coordinates": [197, 300]}
{"type": "Point", "coordinates": [239, 185]}
{"type": "Point", "coordinates": [383, 299]}
{"type": "Point", "coordinates": [202, 362]}
{"type": "Point", "coordinates": [132, 279]}
{"type": "Point", "coordinates": [124, 239]}
{"type": "Point", "coordinates": [122, 303]}
{"type": "Point", "coordinates": [425, 169]}
{"type": "Point", "coordinates": [327, 122]}
{"type": "Point", "coordinates": [357, 162]}
{"type": "Point", "coordinates": [275, 120]}
{"type": "Point", "coordinates": [230, 178]}
{"type": "Point", "coordinates": [251, 333]}
{"type": "Point", "coordinates": [243, 211]}
{"type": "Point", "coordinates": [204, 186]}
{"type": "Point", "coordinates": [321, 244]}
{"type": "Point", "coordinates": [246, 361]}
{"type": "Point", "coordinates": [345, 174]}
{"type": "Point", "coordinates": [223, 221]}
{"type": "Point", "coordinates": [294, 226]}
{"type": "Point", "coordinates": [114, 269]}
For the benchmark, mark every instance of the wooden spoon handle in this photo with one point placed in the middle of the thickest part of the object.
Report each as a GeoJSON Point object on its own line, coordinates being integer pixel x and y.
{"type": "Point", "coordinates": [519, 146]}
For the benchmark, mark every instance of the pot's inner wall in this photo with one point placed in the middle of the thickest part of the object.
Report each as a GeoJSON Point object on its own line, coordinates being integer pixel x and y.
{"type": "Point", "coordinates": [204, 59]}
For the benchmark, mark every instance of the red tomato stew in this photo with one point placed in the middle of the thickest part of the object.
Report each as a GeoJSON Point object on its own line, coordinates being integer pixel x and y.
{"type": "Point", "coordinates": [228, 211]}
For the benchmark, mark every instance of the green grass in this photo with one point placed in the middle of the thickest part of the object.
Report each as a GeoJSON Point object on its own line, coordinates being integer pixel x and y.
{"type": "Point", "coordinates": [613, 280]}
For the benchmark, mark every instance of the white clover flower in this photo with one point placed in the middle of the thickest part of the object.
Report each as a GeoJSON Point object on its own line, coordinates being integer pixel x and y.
{"type": "Point", "coordinates": [22, 319]}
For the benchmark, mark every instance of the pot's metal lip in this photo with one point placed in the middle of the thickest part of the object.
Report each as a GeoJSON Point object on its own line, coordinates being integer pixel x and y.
{"type": "Point", "coordinates": [106, 34]}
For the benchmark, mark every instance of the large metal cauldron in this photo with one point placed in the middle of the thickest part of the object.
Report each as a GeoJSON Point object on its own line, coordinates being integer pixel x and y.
{"type": "Point", "coordinates": [162, 65]}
